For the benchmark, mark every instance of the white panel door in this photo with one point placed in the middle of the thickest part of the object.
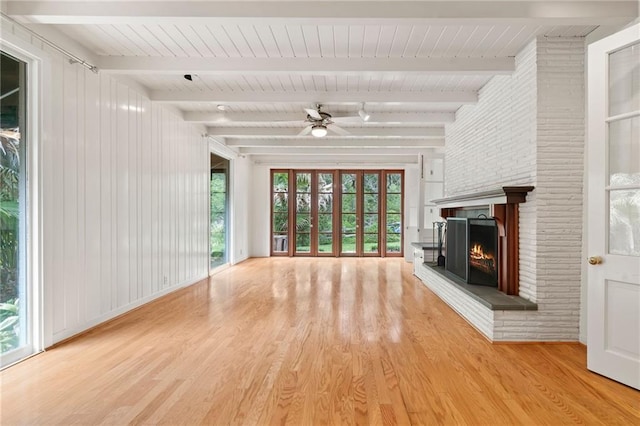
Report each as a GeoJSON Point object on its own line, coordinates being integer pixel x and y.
{"type": "Point", "coordinates": [614, 207]}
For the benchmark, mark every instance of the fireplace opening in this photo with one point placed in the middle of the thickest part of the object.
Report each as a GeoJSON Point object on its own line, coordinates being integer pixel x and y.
{"type": "Point", "coordinates": [472, 250]}
{"type": "Point", "coordinates": [483, 252]}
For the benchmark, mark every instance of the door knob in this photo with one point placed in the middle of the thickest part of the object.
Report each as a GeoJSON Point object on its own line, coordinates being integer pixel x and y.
{"type": "Point", "coordinates": [595, 260]}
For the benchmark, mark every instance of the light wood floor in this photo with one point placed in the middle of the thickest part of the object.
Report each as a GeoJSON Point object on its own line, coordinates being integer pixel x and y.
{"type": "Point", "coordinates": [307, 341]}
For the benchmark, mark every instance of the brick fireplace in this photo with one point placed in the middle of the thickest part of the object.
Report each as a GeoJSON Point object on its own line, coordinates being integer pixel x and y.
{"type": "Point", "coordinates": [527, 128]}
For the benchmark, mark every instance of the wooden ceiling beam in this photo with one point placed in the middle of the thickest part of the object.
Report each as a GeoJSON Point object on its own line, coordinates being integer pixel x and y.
{"type": "Point", "coordinates": [321, 12]}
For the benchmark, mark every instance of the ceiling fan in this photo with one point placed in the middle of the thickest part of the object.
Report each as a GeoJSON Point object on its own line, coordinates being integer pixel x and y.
{"type": "Point", "coordinates": [321, 122]}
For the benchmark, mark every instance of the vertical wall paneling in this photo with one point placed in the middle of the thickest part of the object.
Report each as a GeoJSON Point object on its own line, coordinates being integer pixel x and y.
{"type": "Point", "coordinates": [70, 194]}
{"type": "Point", "coordinates": [173, 203]}
{"type": "Point", "coordinates": [105, 240]}
{"type": "Point", "coordinates": [154, 156]}
{"type": "Point", "coordinates": [123, 188]}
{"type": "Point", "coordinates": [145, 199]}
{"type": "Point", "coordinates": [130, 109]}
{"type": "Point", "coordinates": [92, 174]}
{"type": "Point", "coordinates": [125, 201]}
{"type": "Point", "coordinates": [163, 191]}
{"type": "Point", "coordinates": [180, 149]}
{"type": "Point", "coordinates": [81, 205]}
{"type": "Point", "coordinates": [56, 213]}
{"type": "Point", "coordinates": [113, 175]}
{"type": "Point", "coordinates": [47, 150]}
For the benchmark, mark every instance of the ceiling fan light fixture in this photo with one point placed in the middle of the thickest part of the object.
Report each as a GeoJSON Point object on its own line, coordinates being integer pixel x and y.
{"type": "Point", "coordinates": [319, 131]}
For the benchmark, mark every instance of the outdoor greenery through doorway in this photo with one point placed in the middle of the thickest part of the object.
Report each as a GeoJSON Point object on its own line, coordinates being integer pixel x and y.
{"type": "Point", "coordinates": [219, 190]}
{"type": "Point", "coordinates": [336, 212]}
{"type": "Point", "coordinates": [13, 312]}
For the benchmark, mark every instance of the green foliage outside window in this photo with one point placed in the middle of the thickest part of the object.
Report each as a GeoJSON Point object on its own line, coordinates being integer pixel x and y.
{"type": "Point", "coordinates": [348, 183]}
{"type": "Point", "coordinates": [218, 236]}
{"type": "Point", "coordinates": [9, 238]}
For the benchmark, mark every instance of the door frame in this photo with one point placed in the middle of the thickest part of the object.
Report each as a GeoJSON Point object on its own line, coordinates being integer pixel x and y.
{"type": "Point", "coordinates": [337, 212]}
{"type": "Point", "coordinates": [39, 304]}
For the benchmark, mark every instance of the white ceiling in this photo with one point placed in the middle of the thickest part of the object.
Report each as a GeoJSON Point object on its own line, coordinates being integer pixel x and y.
{"type": "Point", "coordinates": [411, 63]}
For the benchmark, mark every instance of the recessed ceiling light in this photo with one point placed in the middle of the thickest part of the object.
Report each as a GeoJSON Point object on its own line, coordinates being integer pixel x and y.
{"type": "Point", "coordinates": [222, 107]}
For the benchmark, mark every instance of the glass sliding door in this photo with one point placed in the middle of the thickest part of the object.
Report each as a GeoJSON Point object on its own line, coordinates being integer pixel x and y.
{"type": "Point", "coordinates": [394, 184]}
{"type": "Point", "coordinates": [15, 296]}
{"type": "Point", "coordinates": [219, 190]}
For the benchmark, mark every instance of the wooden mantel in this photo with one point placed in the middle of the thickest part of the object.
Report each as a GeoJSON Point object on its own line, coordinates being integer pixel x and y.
{"type": "Point", "coordinates": [503, 195]}
{"type": "Point", "coordinates": [503, 207]}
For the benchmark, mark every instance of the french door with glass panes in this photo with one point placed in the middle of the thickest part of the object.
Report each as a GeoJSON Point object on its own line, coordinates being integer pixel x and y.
{"type": "Point", "coordinates": [336, 212]}
{"type": "Point", "coordinates": [371, 212]}
{"type": "Point", "coordinates": [360, 213]}
{"type": "Point", "coordinates": [313, 210]}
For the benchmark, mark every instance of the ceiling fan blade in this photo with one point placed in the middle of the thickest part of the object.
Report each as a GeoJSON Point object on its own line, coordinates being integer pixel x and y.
{"type": "Point", "coordinates": [338, 130]}
{"type": "Point", "coordinates": [313, 113]}
{"type": "Point", "coordinates": [305, 131]}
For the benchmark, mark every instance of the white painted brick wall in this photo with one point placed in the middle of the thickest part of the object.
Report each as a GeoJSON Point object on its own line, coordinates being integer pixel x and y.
{"type": "Point", "coordinates": [492, 143]}
{"type": "Point", "coordinates": [528, 128]}
{"type": "Point", "coordinates": [560, 167]}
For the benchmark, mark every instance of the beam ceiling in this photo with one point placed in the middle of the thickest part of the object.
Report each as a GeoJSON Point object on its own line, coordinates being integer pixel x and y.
{"type": "Point", "coordinates": [319, 149]}
{"type": "Point", "coordinates": [421, 55]}
{"type": "Point", "coordinates": [228, 118]}
{"type": "Point", "coordinates": [311, 66]}
{"type": "Point", "coordinates": [174, 96]}
{"type": "Point", "coordinates": [319, 12]}
{"type": "Point", "coordinates": [310, 142]}
{"type": "Point", "coordinates": [362, 132]}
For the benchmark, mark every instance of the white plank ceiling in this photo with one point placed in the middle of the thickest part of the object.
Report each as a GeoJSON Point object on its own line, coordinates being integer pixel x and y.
{"type": "Point", "coordinates": [410, 64]}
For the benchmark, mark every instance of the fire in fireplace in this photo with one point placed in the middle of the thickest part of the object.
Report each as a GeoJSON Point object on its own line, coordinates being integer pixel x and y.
{"type": "Point", "coordinates": [472, 250]}
{"type": "Point", "coordinates": [480, 260]}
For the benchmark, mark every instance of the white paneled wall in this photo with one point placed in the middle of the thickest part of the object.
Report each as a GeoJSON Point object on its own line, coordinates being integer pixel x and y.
{"type": "Point", "coordinates": [125, 210]}
{"type": "Point", "coordinates": [124, 195]}
{"type": "Point", "coordinates": [125, 207]}
{"type": "Point", "coordinates": [260, 211]}
{"type": "Point", "coordinates": [241, 178]}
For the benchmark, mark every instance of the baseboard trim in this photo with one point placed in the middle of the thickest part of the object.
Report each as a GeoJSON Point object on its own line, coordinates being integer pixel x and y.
{"type": "Point", "coordinates": [536, 342]}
